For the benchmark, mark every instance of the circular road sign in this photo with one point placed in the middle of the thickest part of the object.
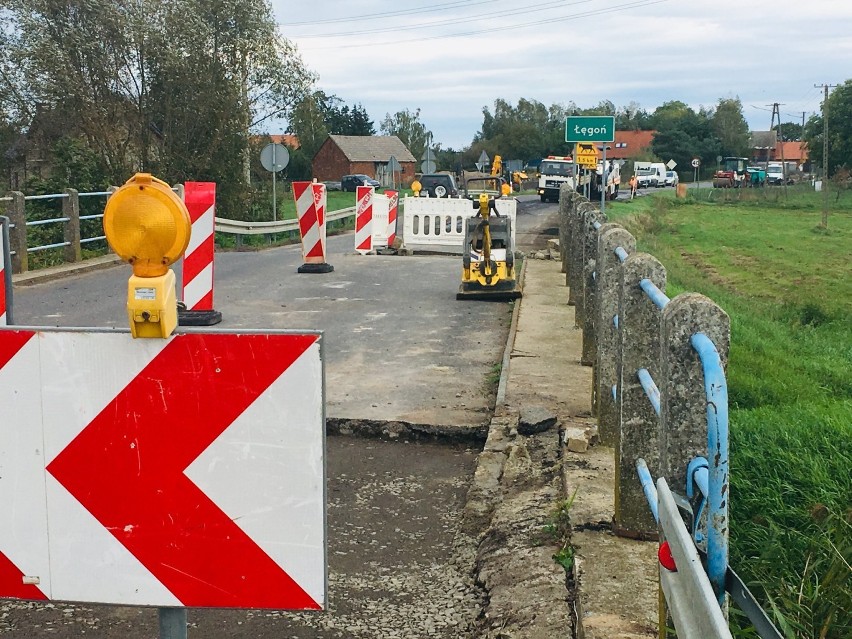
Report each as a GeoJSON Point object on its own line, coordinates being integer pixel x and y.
{"type": "Point", "coordinates": [428, 166]}
{"type": "Point", "coordinates": [274, 157]}
{"type": "Point", "coordinates": [696, 163]}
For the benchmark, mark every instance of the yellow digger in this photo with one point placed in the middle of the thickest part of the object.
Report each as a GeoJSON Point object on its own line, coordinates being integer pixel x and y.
{"type": "Point", "coordinates": [488, 260]}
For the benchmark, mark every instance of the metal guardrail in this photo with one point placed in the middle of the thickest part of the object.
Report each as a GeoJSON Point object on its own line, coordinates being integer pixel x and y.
{"type": "Point", "coordinates": [238, 227]}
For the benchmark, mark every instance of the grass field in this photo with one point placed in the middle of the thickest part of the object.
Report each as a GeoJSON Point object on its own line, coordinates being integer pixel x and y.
{"type": "Point", "coordinates": [787, 285]}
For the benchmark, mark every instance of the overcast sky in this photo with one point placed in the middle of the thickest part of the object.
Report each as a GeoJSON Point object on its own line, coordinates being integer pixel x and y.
{"type": "Point", "coordinates": [452, 58]}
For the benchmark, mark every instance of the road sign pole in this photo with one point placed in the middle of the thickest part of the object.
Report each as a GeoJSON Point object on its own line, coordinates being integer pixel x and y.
{"type": "Point", "coordinates": [274, 189]}
{"type": "Point", "coordinates": [173, 622]}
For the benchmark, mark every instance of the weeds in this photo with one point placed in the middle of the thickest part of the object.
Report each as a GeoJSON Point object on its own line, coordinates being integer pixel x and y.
{"type": "Point", "coordinates": [557, 531]}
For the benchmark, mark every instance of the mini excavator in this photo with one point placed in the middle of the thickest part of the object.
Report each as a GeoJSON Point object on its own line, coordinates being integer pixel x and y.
{"type": "Point", "coordinates": [488, 262]}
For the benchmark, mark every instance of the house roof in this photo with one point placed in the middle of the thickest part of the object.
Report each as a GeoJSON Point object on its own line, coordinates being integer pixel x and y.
{"type": "Point", "coordinates": [288, 139]}
{"type": "Point", "coordinates": [791, 151]}
{"type": "Point", "coordinates": [764, 139]}
{"type": "Point", "coordinates": [372, 148]}
{"type": "Point", "coordinates": [630, 144]}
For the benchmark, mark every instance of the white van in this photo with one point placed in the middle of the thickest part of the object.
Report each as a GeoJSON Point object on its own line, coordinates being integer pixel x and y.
{"type": "Point", "coordinates": [650, 174]}
{"type": "Point", "coordinates": [657, 176]}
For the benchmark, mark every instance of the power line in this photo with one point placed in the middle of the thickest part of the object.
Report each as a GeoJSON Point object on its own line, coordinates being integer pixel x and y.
{"type": "Point", "coordinates": [390, 14]}
{"type": "Point", "coordinates": [441, 23]}
{"type": "Point", "coordinates": [586, 14]}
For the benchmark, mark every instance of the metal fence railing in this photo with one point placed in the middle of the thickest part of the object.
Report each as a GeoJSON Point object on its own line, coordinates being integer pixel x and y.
{"type": "Point", "coordinates": [65, 223]}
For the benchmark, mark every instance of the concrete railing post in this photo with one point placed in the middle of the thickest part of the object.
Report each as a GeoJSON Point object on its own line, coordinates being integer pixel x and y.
{"type": "Point", "coordinates": [565, 204]}
{"type": "Point", "coordinates": [575, 264]}
{"type": "Point", "coordinates": [683, 403]}
{"type": "Point", "coordinates": [639, 322]}
{"type": "Point", "coordinates": [71, 210]}
{"type": "Point", "coordinates": [18, 233]}
{"type": "Point", "coordinates": [608, 292]}
{"type": "Point", "coordinates": [590, 254]}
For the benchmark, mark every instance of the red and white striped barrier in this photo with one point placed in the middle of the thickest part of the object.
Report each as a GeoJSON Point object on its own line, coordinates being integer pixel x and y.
{"type": "Point", "coordinates": [364, 219]}
{"type": "Point", "coordinates": [200, 200]}
{"type": "Point", "coordinates": [310, 198]}
{"type": "Point", "coordinates": [393, 207]}
{"type": "Point", "coordinates": [5, 274]}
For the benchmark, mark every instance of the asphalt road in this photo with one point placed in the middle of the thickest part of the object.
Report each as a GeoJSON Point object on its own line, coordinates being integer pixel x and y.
{"type": "Point", "coordinates": [399, 346]}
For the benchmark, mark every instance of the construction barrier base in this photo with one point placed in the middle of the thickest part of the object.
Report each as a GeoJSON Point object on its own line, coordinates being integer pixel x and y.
{"type": "Point", "coordinates": [198, 318]}
{"type": "Point", "coordinates": [315, 268]}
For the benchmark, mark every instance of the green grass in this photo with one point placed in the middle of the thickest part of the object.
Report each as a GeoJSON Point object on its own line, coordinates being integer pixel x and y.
{"type": "Point", "coordinates": [787, 285]}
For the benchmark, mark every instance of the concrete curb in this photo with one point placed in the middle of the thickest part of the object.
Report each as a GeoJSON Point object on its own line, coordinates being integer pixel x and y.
{"type": "Point", "coordinates": [65, 270]}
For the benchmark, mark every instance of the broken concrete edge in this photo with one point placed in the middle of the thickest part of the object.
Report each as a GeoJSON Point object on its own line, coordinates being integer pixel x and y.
{"type": "Point", "coordinates": [405, 431]}
{"type": "Point", "coordinates": [510, 341]}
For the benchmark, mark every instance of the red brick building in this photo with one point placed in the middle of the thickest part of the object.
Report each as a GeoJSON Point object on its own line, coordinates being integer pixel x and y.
{"type": "Point", "coordinates": [630, 145]}
{"type": "Point", "coordinates": [343, 155]}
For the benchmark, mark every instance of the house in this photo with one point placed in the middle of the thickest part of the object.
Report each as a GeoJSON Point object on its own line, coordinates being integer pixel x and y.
{"type": "Point", "coordinates": [766, 147]}
{"type": "Point", "coordinates": [762, 145]}
{"type": "Point", "coordinates": [343, 155]}
{"type": "Point", "coordinates": [630, 145]}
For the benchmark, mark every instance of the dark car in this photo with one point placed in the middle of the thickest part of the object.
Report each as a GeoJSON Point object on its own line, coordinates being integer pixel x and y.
{"type": "Point", "coordinates": [350, 182]}
{"type": "Point", "coordinates": [438, 185]}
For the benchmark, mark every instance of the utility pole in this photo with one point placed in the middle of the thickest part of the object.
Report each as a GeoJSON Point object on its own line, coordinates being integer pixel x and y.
{"type": "Point", "coordinates": [825, 87]}
{"type": "Point", "coordinates": [775, 111]}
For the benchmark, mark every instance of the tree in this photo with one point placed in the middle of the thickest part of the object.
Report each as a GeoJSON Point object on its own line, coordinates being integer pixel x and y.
{"type": "Point", "coordinates": [409, 129]}
{"type": "Point", "coordinates": [731, 128]}
{"type": "Point", "coordinates": [788, 131]}
{"type": "Point", "coordinates": [683, 134]}
{"type": "Point", "coordinates": [839, 130]}
{"type": "Point", "coordinates": [169, 86]}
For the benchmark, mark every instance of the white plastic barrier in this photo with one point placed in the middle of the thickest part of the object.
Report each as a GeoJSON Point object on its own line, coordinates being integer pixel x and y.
{"type": "Point", "coordinates": [437, 224]}
{"type": "Point", "coordinates": [381, 220]}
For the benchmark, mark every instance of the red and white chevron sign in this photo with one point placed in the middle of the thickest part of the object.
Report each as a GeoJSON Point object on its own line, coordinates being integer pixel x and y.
{"type": "Point", "coordinates": [180, 472]}
{"type": "Point", "coordinates": [200, 200]}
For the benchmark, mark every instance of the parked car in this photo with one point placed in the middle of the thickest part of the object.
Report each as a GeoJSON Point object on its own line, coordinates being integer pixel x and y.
{"type": "Point", "coordinates": [775, 173]}
{"type": "Point", "coordinates": [672, 178]}
{"type": "Point", "coordinates": [351, 182]}
{"type": "Point", "coordinates": [331, 185]}
{"type": "Point", "coordinates": [438, 185]}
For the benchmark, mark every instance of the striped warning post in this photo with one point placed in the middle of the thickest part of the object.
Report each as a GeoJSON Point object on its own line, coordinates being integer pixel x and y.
{"type": "Point", "coordinates": [310, 198]}
{"type": "Point", "coordinates": [393, 206]}
{"type": "Point", "coordinates": [200, 200]}
{"type": "Point", "coordinates": [364, 219]}
{"type": "Point", "coordinates": [5, 274]}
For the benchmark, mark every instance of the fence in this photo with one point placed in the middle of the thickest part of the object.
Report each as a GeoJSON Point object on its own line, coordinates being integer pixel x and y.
{"type": "Point", "coordinates": [660, 396]}
{"type": "Point", "coordinates": [70, 230]}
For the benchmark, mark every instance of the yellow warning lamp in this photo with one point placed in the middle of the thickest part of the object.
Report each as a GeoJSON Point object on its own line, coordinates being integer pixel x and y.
{"type": "Point", "coordinates": [148, 226]}
{"type": "Point", "coordinates": [416, 187]}
{"type": "Point", "coordinates": [505, 189]}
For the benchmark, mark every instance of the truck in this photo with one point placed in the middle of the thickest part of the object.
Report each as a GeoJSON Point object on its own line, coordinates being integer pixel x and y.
{"type": "Point", "coordinates": [554, 171]}
{"type": "Point", "coordinates": [650, 174]}
{"type": "Point", "coordinates": [732, 173]}
{"type": "Point", "coordinates": [775, 173]}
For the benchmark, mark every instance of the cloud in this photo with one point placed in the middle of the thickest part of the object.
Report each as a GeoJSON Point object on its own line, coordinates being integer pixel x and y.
{"type": "Point", "coordinates": [585, 51]}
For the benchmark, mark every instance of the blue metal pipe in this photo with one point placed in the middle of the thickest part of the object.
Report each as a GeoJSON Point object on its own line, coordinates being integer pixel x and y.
{"type": "Point", "coordinates": [621, 253]}
{"type": "Point", "coordinates": [716, 392]}
{"type": "Point", "coordinates": [614, 392]}
{"type": "Point", "coordinates": [651, 290]}
{"type": "Point", "coordinates": [650, 388]}
{"type": "Point", "coordinates": [648, 487]}
{"type": "Point", "coordinates": [615, 321]}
